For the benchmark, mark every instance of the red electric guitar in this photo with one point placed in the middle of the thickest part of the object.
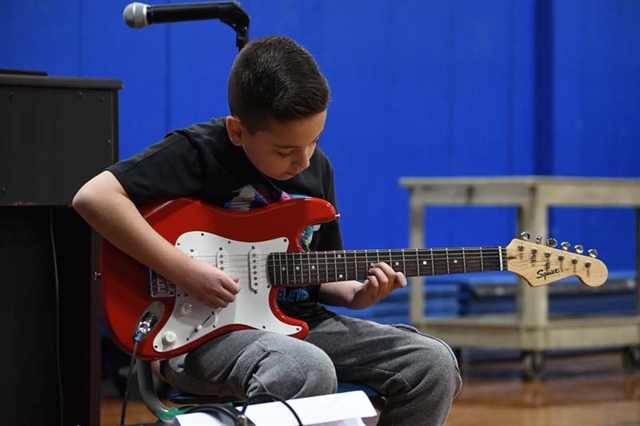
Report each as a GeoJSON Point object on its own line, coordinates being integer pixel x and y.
{"type": "Point", "coordinates": [262, 248]}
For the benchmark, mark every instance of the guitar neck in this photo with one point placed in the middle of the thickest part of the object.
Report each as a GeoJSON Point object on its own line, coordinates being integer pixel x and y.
{"type": "Point", "coordinates": [307, 268]}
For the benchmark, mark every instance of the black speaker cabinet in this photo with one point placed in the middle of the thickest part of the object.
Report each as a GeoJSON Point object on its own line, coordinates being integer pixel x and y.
{"type": "Point", "coordinates": [55, 134]}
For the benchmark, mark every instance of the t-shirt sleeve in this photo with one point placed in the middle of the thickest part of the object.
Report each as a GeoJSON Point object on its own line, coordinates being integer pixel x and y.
{"type": "Point", "coordinates": [168, 169]}
{"type": "Point", "coordinates": [330, 235]}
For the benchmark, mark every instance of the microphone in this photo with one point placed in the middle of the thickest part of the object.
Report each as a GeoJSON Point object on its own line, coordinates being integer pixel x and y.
{"type": "Point", "coordinates": [139, 15]}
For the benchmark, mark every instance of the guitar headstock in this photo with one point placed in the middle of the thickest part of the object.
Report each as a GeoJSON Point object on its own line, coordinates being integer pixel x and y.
{"type": "Point", "coordinates": [540, 264]}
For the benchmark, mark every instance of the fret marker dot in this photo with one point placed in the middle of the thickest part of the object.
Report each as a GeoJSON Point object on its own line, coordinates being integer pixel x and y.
{"type": "Point", "coordinates": [397, 263]}
{"type": "Point", "coordinates": [340, 276]}
{"type": "Point", "coordinates": [424, 262]}
{"type": "Point", "coordinates": [455, 260]}
{"type": "Point", "coordinates": [297, 268]}
{"type": "Point", "coordinates": [284, 269]}
{"type": "Point", "coordinates": [313, 267]}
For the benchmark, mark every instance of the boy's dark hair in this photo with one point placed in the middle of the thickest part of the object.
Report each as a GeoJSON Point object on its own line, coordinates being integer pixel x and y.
{"type": "Point", "coordinates": [274, 78]}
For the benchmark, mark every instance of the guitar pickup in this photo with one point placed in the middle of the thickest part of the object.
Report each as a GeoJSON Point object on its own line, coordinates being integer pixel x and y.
{"type": "Point", "coordinates": [254, 269]}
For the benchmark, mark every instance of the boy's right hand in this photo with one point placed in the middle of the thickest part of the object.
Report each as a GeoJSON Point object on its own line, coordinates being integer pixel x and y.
{"type": "Point", "coordinates": [209, 285]}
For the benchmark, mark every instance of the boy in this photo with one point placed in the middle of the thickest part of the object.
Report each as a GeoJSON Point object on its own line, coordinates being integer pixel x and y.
{"type": "Point", "coordinates": [266, 151]}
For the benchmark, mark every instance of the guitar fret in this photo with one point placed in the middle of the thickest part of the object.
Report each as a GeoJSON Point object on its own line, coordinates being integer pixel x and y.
{"type": "Point", "coordinates": [355, 262]}
{"type": "Point", "coordinates": [366, 261]}
{"type": "Point", "coordinates": [433, 270]}
{"type": "Point", "coordinates": [446, 252]}
{"type": "Point", "coordinates": [418, 263]}
{"type": "Point", "coordinates": [326, 267]}
{"type": "Point", "coordinates": [481, 260]}
{"type": "Point", "coordinates": [293, 267]}
{"type": "Point", "coordinates": [346, 266]}
{"type": "Point", "coordinates": [464, 261]}
{"type": "Point", "coordinates": [404, 264]}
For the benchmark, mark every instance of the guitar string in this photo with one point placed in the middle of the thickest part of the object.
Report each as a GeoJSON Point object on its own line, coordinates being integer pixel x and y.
{"type": "Point", "coordinates": [407, 254]}
{"type": "Point", "coordinates": [341, 263]}
{"type": "Point", "coordinates": [319, 258]}
{"type": "Point", "coordinates": [290, 270]}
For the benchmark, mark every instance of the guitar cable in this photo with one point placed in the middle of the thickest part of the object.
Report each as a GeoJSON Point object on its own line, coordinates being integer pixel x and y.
{"type": "Point", "coordinates": [242, 419]}
{"type": "Point", "coordinates": [221, 411]}
{"type": "Point", "coordinates": [143, 328]}
{"type": "Point", "coordinates": [127, 386]}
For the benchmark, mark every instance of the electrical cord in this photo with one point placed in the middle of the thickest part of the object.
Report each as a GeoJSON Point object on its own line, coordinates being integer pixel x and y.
{"type": "Point", "coordinates": [266, 395]}
{"type": "Point", "coordinates": [132, 364]}
{"type": "Point", "coordinates": [220, 412]}
{"type": "Point", "coordinates": [57, 315]}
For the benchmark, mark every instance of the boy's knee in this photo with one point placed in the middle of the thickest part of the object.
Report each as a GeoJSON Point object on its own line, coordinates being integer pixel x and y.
{"type": "Point", "coordinates": [444, 369]}
{"type": "Point", "coordinates": [288, 377]}
{"type": "Point", "coordinates": [441, 370]}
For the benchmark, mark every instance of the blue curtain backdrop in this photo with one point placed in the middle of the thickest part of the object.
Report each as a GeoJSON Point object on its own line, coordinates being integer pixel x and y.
{"type": "Point", "coordinates": [419, 88]}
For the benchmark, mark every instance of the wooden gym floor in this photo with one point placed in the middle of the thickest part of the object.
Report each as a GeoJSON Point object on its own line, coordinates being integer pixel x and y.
{"type": "Point", "coordinates": [583, 389]}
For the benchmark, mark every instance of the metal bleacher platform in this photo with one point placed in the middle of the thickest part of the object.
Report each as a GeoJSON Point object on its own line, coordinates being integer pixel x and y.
{"type": "Point", "coordinates": [531, 325]}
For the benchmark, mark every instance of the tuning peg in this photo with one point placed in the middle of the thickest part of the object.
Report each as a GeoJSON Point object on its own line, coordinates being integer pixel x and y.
{"type": "Point", "coordinates": [593, 253]}
{"type": "Point", "coordinates": [578, 249]}
{"type": "Point", "coordinates": [552, 242]}
{"type": "Point", "coordinates": [525, 236]}
{"type": "Point", "coordinates": [565, 245]}
{"type": "Point", "coordinates": [538, 239]}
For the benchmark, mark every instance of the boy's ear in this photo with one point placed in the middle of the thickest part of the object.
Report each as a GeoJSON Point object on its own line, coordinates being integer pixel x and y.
{"type": "Point", "coordinates": [235, 130]}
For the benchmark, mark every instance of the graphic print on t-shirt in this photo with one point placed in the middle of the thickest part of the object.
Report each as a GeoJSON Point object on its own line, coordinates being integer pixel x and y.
{"type": "Point", "coordinates": [249, 197]}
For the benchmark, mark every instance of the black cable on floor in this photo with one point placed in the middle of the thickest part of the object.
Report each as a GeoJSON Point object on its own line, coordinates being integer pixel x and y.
{"type": "Point", "coordinates": [269, 396]}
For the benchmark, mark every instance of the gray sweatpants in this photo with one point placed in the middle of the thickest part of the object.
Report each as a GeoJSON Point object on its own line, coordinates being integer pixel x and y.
{"type": "Point", "coordinates": [418, 374]}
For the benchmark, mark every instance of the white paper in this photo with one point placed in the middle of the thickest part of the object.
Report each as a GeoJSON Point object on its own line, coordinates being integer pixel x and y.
{"type": "Point", "coordinates": [196, 419]}
{"type": "Point", "coordinates": [341, 409]}
{"type": "Point", "coordinates": [317, 410]}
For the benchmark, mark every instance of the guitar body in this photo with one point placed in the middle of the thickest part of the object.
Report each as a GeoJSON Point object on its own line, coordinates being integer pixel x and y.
{"type": "Point", "coordinates": [236, 242]}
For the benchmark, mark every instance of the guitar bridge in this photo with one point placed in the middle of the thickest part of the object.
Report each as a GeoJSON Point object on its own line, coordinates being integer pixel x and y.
{"type": "Point", "coordinates": [159, 286]}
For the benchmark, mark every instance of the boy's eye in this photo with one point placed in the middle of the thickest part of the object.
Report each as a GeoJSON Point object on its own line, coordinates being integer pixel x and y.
{"type": "Point", "coordinates": [284, 154]}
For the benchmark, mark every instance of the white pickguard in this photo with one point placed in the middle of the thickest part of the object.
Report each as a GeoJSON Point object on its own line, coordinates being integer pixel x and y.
{"type": "Point", "coordinates": [192, 320]}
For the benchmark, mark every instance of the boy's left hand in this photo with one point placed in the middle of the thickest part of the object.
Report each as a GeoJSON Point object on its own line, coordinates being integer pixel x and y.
{"type": "Point", "coordinates": [378, 285]}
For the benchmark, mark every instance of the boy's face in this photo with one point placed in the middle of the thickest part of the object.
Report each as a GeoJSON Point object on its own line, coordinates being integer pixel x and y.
{"type": "Point", "coordinates": [284, 149]}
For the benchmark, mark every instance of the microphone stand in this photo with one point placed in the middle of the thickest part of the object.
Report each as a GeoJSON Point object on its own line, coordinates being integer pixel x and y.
{"type": "Point", "coordinates": [239, 22]}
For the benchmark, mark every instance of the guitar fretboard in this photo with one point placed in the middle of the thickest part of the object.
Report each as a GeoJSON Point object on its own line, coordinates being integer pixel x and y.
{"type": "Point", "coordinates": [299, 269]}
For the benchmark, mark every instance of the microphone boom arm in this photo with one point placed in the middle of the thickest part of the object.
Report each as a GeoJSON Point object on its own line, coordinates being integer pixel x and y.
{"type": "Point", "coordinates": [239, 21]}
{"type": "Point", "coordinates": [138, 15]}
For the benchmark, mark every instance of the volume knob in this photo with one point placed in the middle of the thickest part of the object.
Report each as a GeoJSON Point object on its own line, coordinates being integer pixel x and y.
{"type": "Point", "coordinates": [169, 338]}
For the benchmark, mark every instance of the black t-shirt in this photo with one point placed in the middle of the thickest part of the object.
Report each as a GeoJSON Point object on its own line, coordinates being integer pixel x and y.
{"type": "Point", "coordinates": [201, 162]}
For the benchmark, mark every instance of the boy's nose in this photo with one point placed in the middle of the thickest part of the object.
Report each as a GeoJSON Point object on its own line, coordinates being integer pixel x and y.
{"type": "Point", "coordinates": [302, 161]}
